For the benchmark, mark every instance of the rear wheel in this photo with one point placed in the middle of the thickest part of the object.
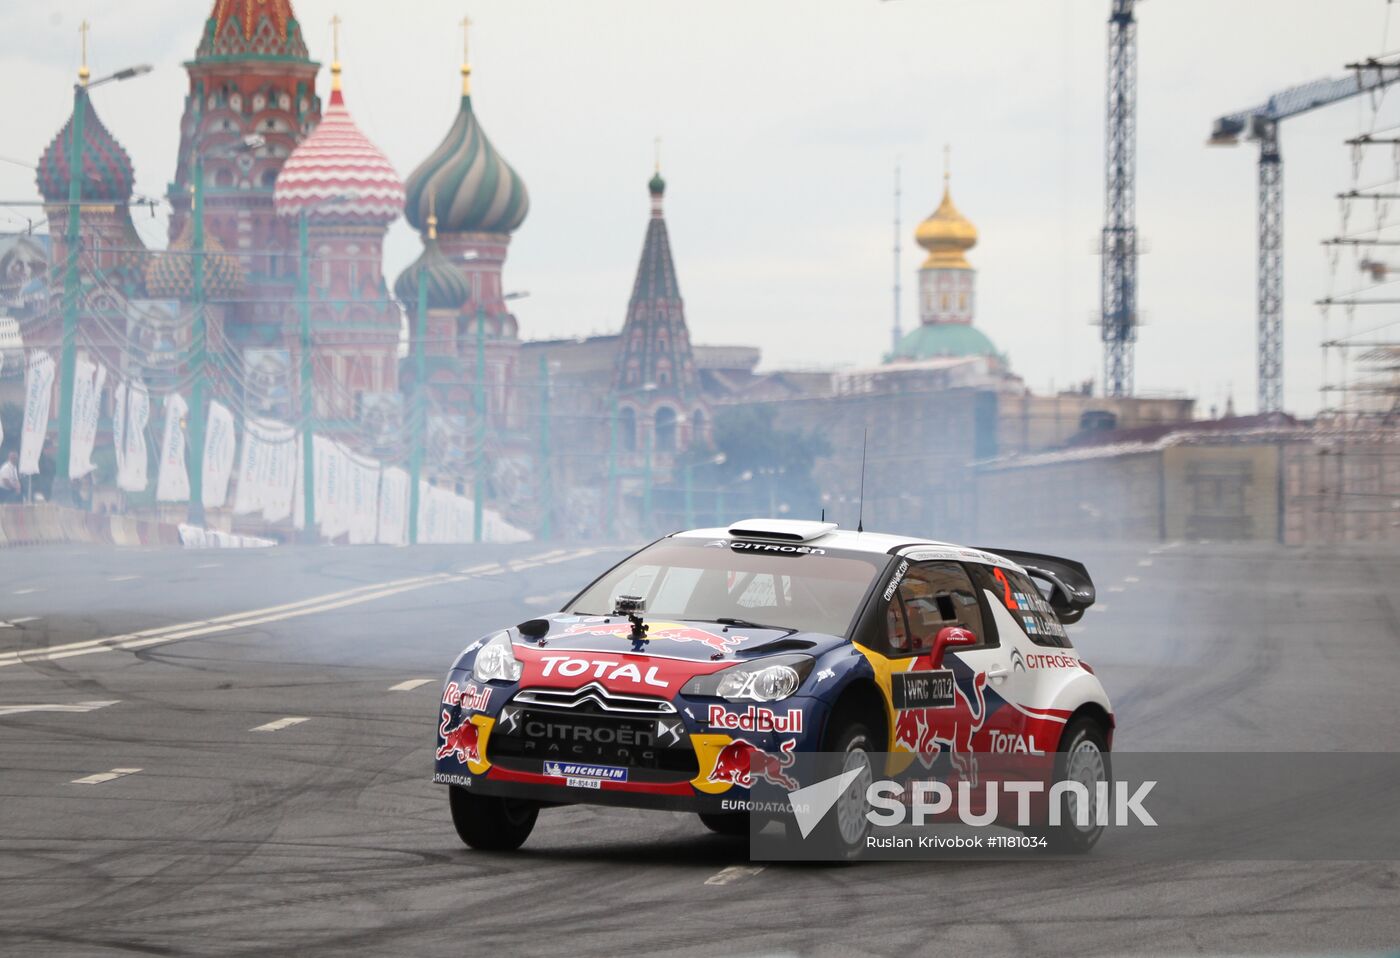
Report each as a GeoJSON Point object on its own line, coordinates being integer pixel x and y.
{"type": "Point", "coordinates": [491, 824]}
{"type": "Point", "coordinates": [733, 824]}
{"type": "Point", "coordinates": [1083, 758]}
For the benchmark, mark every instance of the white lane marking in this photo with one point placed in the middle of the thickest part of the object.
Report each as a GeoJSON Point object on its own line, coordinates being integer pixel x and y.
{"type": "Point", "coordinates": [122, 578]}
{"type": "Point", "coordinates": [1144, 562]}
{"type": "Point", "coordinates": [101, 777]}
{"type": "Point", "coordinates": [24, 619]}
{"type": "Point", "coordinates": [732, 874]}
{"type": "Point", "coordinates": [554, 598]}
{"type": "Point", "coordinates": [290, 610]}
{"type": "Point", "coordinates": [73, 707]}
{"type": "Point", "coordinates": [27, 591]}
{"type": "Point", "coordinates": [1116, 588]}
{"type": "Point", "coordinates": [209, 565]}
{"type": "Point", "coordinates": [1098, 608]}
{"type": "Point", "coordinates": [280, 724]}
{"type": "Point", "coordinates": [1131, 578]}
{"type": "Point", "coordinates": [409, 686]}
{"type": "Point", "coordinates": [6, 625]}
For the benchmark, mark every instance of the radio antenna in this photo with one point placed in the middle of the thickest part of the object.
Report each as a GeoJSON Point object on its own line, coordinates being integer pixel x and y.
{"type": "Point", "coordinates": [860, 516]}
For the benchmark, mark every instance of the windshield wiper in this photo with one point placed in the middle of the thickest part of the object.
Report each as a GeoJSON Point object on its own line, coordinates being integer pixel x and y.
{"type": "Point", "coordinates": [746, 624]}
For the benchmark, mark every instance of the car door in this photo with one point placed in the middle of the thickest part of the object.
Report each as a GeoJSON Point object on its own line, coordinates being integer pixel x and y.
{"type": "Point", "coordinates": [932, 596]}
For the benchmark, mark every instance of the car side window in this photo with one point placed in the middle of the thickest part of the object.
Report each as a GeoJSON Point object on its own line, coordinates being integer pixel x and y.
{"type": "Point", "coordinates": [1027, 605]}
{"type": "Point", "coordinates": [931, 596]}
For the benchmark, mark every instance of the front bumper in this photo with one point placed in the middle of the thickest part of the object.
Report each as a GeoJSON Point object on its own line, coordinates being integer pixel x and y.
{"type": "Point", "coordinates": [698, 760]}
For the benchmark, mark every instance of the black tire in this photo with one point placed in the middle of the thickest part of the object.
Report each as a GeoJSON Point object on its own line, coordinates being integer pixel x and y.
{"type": "Point", "coordinates": [1083, 736]}
{"type": "Point", "coordinates": [731, 824]}
{"type": "Point", "coordinates": [491, 824]}
{"type": "Point", "coordinates": [844, 834]}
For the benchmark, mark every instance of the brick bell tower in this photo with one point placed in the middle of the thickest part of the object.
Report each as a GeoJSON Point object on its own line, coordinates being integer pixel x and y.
{"type": "Point", "coordinates": [252, 100]}
{"type": "Point", "coordinates": [655, 383]}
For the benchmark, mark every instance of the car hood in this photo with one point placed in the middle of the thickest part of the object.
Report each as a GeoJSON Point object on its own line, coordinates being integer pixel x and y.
{"type": "Point", "coordinates": [673, 638]}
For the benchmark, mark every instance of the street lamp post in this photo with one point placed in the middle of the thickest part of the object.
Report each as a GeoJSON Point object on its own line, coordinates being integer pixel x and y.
{"type": "Point", "coordinates": [546, 478]}
{"type": "Point", "coordinates": [718, 459]}
{"type": "Point", "coordinates": [308, 410]}
{"type": "Point", "coordinates": [199, 333]}
{"type": "Point", "coordinates": [419, 414]}
{"type": "Point", "coordinates": [198, 353]}
{"type": "Point", "coordinates": [478, 479]}
{"type": "Point", "coordinates": [72, 290]}
{"type": "Point", "coordinates": [611, 491]}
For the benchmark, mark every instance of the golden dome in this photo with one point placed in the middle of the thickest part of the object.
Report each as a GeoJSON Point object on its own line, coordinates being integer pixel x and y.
{"type": "Point", "coordinates": [947, 235]}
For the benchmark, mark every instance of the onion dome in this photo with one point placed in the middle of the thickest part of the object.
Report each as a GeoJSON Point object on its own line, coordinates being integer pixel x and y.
{"type": "Point", "coordinates": [264, 29]}
{"type": "Point", "coordinates": [475, 189]}
{"type": "Point", "coordinates": [947, 235]}
{"type": "Point", "coordinates": [657, 185]}
{"type": "Point", "coordinates": [170, 274]}
{"type": "Point", "coordinates": [447, 287]}
{"type": "Point", "coordinates": [107, 171]}
{"type": "Point", "coordinates": [337, 160]}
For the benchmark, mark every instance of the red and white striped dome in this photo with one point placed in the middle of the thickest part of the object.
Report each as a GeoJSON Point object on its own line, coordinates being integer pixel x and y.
{"type": "Point", "coordinates": [338, 176]}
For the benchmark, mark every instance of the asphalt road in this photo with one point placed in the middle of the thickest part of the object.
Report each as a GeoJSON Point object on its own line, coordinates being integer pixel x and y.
{"type": "Point", "coordinates": [326, 837]}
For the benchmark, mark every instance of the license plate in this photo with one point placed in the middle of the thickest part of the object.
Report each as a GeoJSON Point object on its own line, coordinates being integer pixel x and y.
{"type": "Point", "coordinates": [922, 690]}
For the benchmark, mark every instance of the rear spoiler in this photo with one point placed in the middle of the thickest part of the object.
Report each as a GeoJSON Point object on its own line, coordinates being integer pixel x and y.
{"type": "Point", "coordinates": [1071, 589]}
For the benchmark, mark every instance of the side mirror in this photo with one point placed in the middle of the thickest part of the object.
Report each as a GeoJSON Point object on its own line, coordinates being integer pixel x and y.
{"type": "Point", "coordinates": [950, 636]}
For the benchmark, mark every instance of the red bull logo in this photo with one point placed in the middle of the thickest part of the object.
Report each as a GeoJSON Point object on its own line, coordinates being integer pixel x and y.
{"type": "Point", "coordinates": [461, 741]}
{"type": "Point", "coordinates": [661, 632]}
{"type": "Point", "coordinates": [740, 761]}
{"type": "Point", "coordinates": [928, 732]}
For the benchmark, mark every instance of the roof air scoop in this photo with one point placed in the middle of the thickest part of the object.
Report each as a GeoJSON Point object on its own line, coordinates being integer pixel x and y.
{"type": "Point", "coordinates": [780, 530]}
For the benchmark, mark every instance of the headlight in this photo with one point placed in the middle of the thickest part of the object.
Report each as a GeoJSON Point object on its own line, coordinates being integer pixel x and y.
{"type": "Point", "coordinates": [766, 680]}
{"type": "Point", "coordinates": [497, 660]}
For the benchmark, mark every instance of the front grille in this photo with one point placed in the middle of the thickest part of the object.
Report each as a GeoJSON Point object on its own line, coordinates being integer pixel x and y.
{"type": "Point", "coordinates": [596, 699]}
{"type": "Point", "coordinates": [593, 726]}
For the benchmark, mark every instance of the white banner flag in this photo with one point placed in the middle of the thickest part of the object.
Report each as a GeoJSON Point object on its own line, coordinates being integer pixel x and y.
{"type": "Point", "coordinates": [363, 499]}
{"type": "Point", "coordinates": [87, 402]}
{"type": "Point", "coordinates": [247, 498]}
{"type": "Point", "coordinates": [331, 492]}
{"type": "Point", "coordinates": [298, 480]}
{"type": "Point", "coordinates": [426, 513]}
{"type": "Point", "coordinates": [173, 480]}
{"type": "Point", "coordinates": [281, 466]}
{"type": "Point", "coordinates": [38, 394]}
{"type": "Point", "coordinates": [393, 507]}
{"type": "Point", "coordinates": [220, 443]}
{"type": "Point", "coordinates": [133, 476]}
{"type": "Point", "coordinates": [119, 426]}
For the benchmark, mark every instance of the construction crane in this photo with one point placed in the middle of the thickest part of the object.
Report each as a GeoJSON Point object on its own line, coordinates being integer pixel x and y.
{"type": "Point", "coordinates": [1119, 245]}
{"type": "Point", "coordinates": [1261, 124]}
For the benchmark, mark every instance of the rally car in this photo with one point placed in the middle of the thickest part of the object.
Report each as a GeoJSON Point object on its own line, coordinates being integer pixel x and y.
{"type": "Point", "coordinates": [711, 657]}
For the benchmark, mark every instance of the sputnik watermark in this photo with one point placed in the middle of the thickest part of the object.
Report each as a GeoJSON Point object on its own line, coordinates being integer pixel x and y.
{"type": "Point", "coordinates": [891, 801]}
{"type": "Point", "coordinates": [1228, 806]}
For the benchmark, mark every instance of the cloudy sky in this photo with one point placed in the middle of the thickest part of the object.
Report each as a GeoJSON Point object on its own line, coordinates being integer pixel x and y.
{"type": "Point", "coordinates": [782, 122]}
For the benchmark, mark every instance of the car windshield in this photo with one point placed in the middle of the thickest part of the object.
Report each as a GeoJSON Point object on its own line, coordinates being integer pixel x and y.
{"type": "Point", "coordinates": [710, 580]}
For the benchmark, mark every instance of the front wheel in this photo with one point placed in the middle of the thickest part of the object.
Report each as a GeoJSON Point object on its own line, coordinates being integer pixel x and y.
{"type": "Point", "coordinates": [1083, 758]}
{"type": "Point", "coordinates": [491, 824]}
{"type": "Point", "coordinates": [844, 828]}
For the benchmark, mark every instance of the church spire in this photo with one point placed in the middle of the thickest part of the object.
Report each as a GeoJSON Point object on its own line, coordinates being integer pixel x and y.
{"type": "Point", "coordinates": [654, 352]}
{"type": "Point", "coordinates": [657, 185]}
{"type": "Point", "coordinates": [335, 54]}
{"type": "Point", "coordinates": [84, 74]}
{"type": "Point", "coordinates": [466, 26]}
